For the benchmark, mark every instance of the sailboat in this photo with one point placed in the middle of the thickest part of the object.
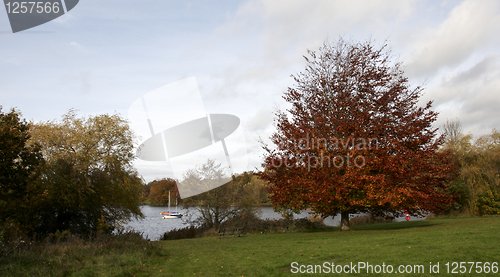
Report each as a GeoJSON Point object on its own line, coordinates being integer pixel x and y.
{"type": "Point", "coordinates": [170, 215]}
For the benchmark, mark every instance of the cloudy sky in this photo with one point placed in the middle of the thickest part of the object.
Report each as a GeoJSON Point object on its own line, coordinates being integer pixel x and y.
{"type": "Point", "coordinates": [103, 56]}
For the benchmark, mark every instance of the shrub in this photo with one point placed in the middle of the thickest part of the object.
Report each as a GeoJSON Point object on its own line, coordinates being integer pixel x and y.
{"type": "Point", "coordinates": [252, 224]}
{"type": "Point", "coordinates": [185, 233]}
{"type": "Point", "coordinates": [64, 254]}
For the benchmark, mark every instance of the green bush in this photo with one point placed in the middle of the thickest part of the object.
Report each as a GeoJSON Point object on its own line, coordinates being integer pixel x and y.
{"type": "Point", "coordinates": [488, 203]}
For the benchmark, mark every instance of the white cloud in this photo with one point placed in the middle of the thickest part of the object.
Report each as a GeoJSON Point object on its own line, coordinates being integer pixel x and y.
{"type": "Point", "coordinates": [284, 30]}
{"type": "Point", "coordinates": [471, 95]}
{"type": "Point", "coordinates": [303, 25]}
{"type": "Point", "coordinates": [261, 120]}
{"type": "Point", "coordinates": [471, 26]}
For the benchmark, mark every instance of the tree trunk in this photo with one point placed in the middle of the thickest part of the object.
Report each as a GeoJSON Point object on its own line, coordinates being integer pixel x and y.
{"type": "Point", "coordinates": [344, 221]}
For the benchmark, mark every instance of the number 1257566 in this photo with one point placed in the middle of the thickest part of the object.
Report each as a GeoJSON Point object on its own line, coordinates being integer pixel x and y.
{"type": "Point", "coordinates": [32, 7]}
{"type": "Point", "coordinates": [471, 267]}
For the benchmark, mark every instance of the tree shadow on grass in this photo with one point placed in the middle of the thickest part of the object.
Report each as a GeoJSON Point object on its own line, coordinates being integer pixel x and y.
{"type": "Point", "coordinates": [395, 225]}
{"type": "Point", "coordinates": [386, 226]}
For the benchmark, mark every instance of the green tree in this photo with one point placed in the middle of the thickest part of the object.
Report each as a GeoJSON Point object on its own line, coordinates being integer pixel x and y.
{"type": "Point", "coordinates": [221, 203]}
{"type": "Point", "coordinates": [18, 167]}
{"type": "Point", "coordinates": [463, 154]}
{"type": "Point", "coordinates": [145, 192]}
{"type": "Point", "coordinates": [478, 162]}
{"type": "Point", "coordinates": [253, 188]}
{"type": "Point", "coordinates": [88, 180]}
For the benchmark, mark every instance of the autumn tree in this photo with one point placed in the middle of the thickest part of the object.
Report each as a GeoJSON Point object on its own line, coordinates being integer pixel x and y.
{"type": "Point", "coordinates": [488, 200]}
{"type": "Point", "coordinates": [160, 190]}
{"type": "Point", "coordinates": [354, 139]}
{"type": "Point", "coordinates": [257, 189]}
{"type": "Point", "coordinates": [251, 190]}
{"type": "Point", "coordinates": [478, 162]}
{"type": "Point", "coordinates": [88, 180]}
{"type": "Point", "coordinates": [19, 162]}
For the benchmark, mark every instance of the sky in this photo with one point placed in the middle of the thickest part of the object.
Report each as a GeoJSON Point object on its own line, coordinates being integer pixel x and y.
{"type": "Point", "coordinates": [103, 56]}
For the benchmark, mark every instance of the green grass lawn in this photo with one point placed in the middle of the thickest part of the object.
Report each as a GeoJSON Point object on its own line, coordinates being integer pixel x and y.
{"type": "Point", "coordinates": [405, 243]}
{"type": "Point", "coordinates": [410, 244]}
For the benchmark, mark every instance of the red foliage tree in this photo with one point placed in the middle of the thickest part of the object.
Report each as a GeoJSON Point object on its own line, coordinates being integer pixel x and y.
{"type": "Point", "coordinates": [354, 139]}
{"type": "Point", "coordinates": [160, 190]}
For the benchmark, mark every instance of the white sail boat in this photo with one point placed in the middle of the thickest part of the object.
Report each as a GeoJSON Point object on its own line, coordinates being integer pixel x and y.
{"type": "Point", "coordinates": [169, 214]}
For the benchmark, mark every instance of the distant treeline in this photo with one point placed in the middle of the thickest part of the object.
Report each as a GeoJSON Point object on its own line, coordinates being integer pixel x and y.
{"type": "Point", "coordinates": [248, 185]}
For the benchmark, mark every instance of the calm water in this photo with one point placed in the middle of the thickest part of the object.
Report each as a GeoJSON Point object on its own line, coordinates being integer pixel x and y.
{"type": "Point", "coordinates": [153, 226]}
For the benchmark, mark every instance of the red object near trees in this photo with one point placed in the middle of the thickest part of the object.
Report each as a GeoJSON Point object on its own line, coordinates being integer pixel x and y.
{"type": "Point", "coordinates": [354, 139]}
{"type": "Point", "coordinates": [407, 215]}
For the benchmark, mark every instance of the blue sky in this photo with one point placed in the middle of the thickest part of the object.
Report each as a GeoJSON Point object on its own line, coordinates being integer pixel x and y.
{"type": "Point", "coordinates": [103, 55]}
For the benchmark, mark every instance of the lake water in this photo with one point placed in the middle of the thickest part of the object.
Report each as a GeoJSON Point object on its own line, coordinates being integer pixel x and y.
{"type": "Point", "coordinates": [153, 226]}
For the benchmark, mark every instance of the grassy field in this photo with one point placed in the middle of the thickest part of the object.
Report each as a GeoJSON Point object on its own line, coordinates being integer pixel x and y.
{"type": "Point", "coordinates": [415, 245]}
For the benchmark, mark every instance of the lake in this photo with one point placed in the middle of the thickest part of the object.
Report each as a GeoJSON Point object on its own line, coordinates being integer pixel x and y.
{"type": "Point", "coordinates": [153, 226]}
